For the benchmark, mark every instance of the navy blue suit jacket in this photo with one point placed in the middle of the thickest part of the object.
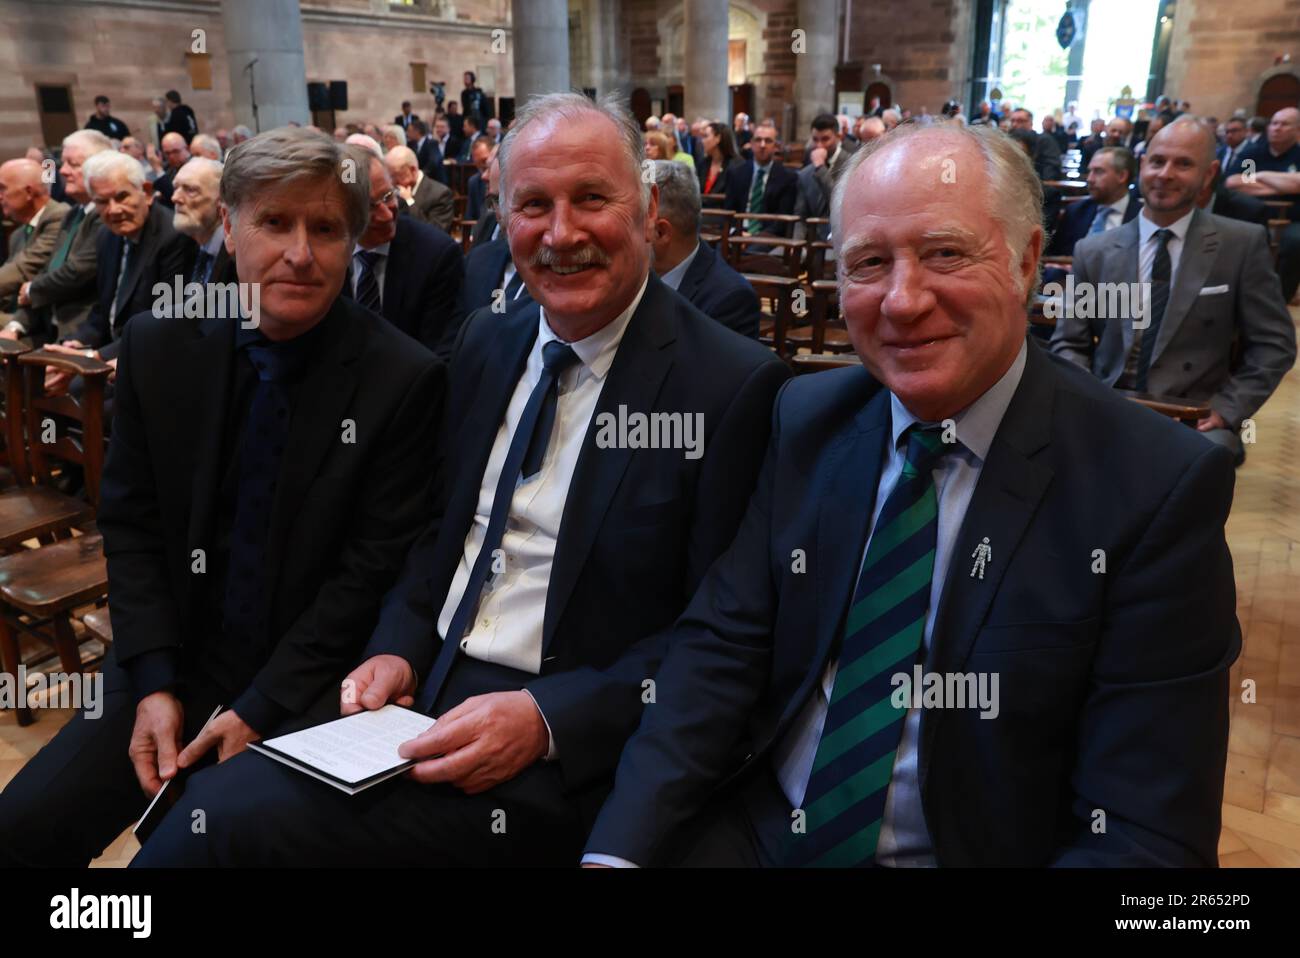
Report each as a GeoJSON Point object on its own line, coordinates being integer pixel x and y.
{"type": "Point", "coordinates": [422, 281]}
{"type": "Point", "coordinates": [640, 526]}
{"type": "Point", "coordinates": [779, 193]}
{"type": "Point", "coordinates": [475, 197]}
{"type": "Point", "coordinates": [717, 290]}
{"type": "Point", "coordinates": [1078, 220]}
{"type": "Point", "coordinates": [161, 255]}
{"type": "Point", "coordinates": [1113, 686]}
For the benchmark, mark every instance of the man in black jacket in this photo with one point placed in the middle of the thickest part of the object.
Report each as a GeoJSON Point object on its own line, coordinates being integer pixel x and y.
{"type": "Point", "coordinates": [180, 118]}
{"type": "Point", "coordinates": [593, 538]}
{"type": "Point", "coordinates": [762, 184]}
{"type": "Point", "coordinates": [267, 473]}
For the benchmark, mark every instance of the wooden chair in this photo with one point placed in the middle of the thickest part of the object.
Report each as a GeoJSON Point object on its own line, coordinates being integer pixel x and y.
{"type": "Point", "coordinates": [98, 624]}
{"type": "Point", "coordinates": [811, 363]}
{"type": "Point", "coordinates": [13, 461]}
{"type": "Point", "coordinates": [825, 334]}
{"type": "Point", "coordinates": [1186, 411]}
{"type": "Point", "coordinates": [715, 226]}
{"type": "Point", "coordinates": [767, 255]}
{"type": "Point", "coordinates": [818, 250]}
{"type": "Point", "coordinates": [776, 296]}
{"type": "Point", "coordinates": [40, 587]}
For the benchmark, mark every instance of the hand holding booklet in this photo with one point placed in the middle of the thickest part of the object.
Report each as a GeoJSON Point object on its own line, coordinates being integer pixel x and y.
{"type": "Point", "coordinates": [351, 753]}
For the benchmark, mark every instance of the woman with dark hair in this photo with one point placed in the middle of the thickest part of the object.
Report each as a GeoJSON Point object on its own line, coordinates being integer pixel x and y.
{"type": "Point", "coordinates": [719, 158]}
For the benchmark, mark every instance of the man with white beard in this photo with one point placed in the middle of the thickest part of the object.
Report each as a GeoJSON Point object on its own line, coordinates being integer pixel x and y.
{"type": "Point", "coordinates": [198, 216]}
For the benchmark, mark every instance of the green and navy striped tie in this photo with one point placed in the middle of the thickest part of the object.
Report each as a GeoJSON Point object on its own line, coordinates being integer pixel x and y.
{"type": "Point", "coordinates": [845, 799]}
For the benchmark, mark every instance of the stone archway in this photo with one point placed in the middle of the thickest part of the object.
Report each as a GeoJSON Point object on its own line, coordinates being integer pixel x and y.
{"type": "Point", "coordinates": [1278, 88]}
{"type": "Point", "coordinates": [744, 23]}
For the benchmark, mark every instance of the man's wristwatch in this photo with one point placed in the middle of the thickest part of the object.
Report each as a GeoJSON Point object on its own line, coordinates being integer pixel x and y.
{"type": "Point", "coordinates": [13, 326]}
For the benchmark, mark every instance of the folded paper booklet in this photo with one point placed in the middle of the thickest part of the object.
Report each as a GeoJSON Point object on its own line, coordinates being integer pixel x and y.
{"type": "Point", "coordinates": [351, 753]}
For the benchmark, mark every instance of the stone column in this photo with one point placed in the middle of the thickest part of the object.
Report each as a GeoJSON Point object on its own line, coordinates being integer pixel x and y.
{"type": "Point", "coordinates": [270, 33]}
{"type": "Point", "coordinates": [814, 89]}
{"type": "Point", "coordinates": [705, 80]}
{"type": "Point", "coordinates": [540, 39]}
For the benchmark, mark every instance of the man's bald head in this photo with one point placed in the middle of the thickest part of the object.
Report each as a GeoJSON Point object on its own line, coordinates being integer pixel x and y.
{"type": "Point", "coordinates": [1284, 129]}
{"type": "Point", "coordinates": [403, 165]}
{"type": "Point", "coordinates": [1191, 131]}
{"type": "Point", "coordinates": [175, 151]}
{"type": "Point", "coordinates": [22, 191]}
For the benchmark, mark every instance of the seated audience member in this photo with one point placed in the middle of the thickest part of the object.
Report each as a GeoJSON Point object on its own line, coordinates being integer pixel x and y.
{"type": "Point", "coordinates": [1093, 142]}
{"type": "Point", "coordinates": [1055, 131]}
{"type": "Point", "coordinates": [403, 269]}
{"type": "Point", "coordinates": [391, 137]}
{"type": "Point", "coordinates": [1119, 132]}
{"type": "Point", "coordinates": [743, 132]}
{"type": "Point", "coordinates": [175, 155]}
{"type": "Point", "coordinates": [1278, 151]}
{"type": "Point", "coordinates": [102, 121]}
{"type": "Point", "coordinates": [662, 146]}
{"type": "Point", "coordinates": [448, 145]}
{"type": "Point", "coordinates": [1216, 198]}
{"type": "Point", "coordinates": [469, 133]}
{"type": "Point", "coordinates": [762, 184]}
{"type": "Point", "coordinates": [486, 226]}
{"type": "Point", "coordinates": [25, 202]}
{"type": "Point", "coordinates": [488, 267]}
{"type": "Point", "coordinates": [693, 268]}
{"type": "Point", "coordinates": [985, 116]}
{"type": "Point", "coordinates": [239, 134]}
{"type": "Point", "coordinates": [427, 152]}
{"type": "Point", "coordinates": [1111, 200]}
{"type": "Point", "coordinates": [206, 146]}
{"type": "Point", "coordinates": [1212, 294]}
{"type": "Point", "coordinates": [58, 299]}
{"type": "Point", "coordinates": [1046, 153]}
{"type": "Point", "coordinates": [891, 118]}
{"type": "Point", "coordinates": [1235, 137]}
{"type": "Point", "coordinates": [778, 735]}
{"type": "Point", "coordinates": [1269, 185]}
{"type": "Point", "coordinates": [138, 248]}
{"type": "Point", "coordinates": [600, 545]}
{"type": "Point", "coordinates": [198, 215]}
{"type": "Point", "coordinates": [272, 645]}
{"type": "Point", "coordinates": [720, 158]}
{"type": "Point", "coordinates": [137, 150]}
{"type": "Point", "coordinates": [826, 160]}
{"type": "Point", "coordinates": [421, 196]}
{"type": "Point", "coordinates": [476, 187]}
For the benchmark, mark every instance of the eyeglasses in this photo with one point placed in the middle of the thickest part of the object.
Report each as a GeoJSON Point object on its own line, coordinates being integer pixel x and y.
{"type": "Point", "coordinates": [386, 200]}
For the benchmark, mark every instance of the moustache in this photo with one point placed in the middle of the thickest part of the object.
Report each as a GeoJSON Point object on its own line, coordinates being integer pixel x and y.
{"type": "Point", "coordinates": [587, 256]}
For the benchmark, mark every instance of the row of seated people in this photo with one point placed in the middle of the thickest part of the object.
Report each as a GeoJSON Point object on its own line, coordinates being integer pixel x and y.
{"type": "Point", "coordinates": [666, 647]}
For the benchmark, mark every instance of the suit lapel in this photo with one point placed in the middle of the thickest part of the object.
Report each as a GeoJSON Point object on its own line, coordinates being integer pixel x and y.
{"type": "Point", "coordinates": [1200, 247]}
{"type": "Point", "coordinates": [145, 252]}
{"type": "Point", "coordinates": [1010, 487]}
{"type": "Point", "coordinates": [394, 270]}
{"type": "Point", "coordinates": [846, 504]}
{"type": "Point", "coordinates": [1122, 263]}
{"type": "Point", "coordinates": [210, 357]}
{"type": "Point", "coordinates": [633, 381]}
{"type": "Point", "coordinates": [316, 426]}
{"type": "Point", "coordinates": [698, 269]}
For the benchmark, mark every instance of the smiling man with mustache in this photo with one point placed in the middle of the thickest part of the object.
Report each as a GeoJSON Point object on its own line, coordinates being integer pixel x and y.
{"type": "Point", "coordinates": [527, 616]}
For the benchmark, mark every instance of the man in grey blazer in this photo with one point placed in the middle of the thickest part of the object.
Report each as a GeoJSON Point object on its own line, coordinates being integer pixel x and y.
{"type": "Point", "coordinates": [421, 196]}
{"type": "Point", "coordinates": [25, 200]}
{"type": "Point", "coordinates": [1215, 326]}
{"type": "Point", "coordinates": [828, 156]}
{"type": "Point", "coordinates": [59, 298]}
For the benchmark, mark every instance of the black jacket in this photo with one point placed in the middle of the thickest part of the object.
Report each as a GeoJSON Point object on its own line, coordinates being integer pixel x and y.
{"type": "Point", "coordinates": [717, 290]}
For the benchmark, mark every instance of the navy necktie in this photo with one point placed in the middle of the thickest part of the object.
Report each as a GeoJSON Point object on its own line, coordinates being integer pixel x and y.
{"type": "Point", "coordinates": [367, 284]}
{"type": "Point", "coordinates": [1160, 272]}
{"type": "Point", "coordinates": [202, 265]}
{"type": "Point", "coordinates": [528, 444]}
{"type": "Point", "coordinates": [512, 287]}
{"type": "Point", "coordinates": [266, 432]}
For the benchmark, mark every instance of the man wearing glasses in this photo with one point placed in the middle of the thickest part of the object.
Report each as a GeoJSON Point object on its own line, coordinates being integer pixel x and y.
{"type": "Point", "coordinates": [406, 271]}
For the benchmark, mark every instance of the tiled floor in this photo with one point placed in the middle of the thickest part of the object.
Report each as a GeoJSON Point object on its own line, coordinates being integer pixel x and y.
{"type": "Point", "coordinates": [1261, 809]}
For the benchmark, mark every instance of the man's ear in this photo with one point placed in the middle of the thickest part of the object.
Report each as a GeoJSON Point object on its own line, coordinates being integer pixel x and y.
{"type": "Point", "coordinates": [228, 224]}
{"type": "Point", "coordinates": [148, 188]}
{"type": "Point", "coordinates": [652, 214]}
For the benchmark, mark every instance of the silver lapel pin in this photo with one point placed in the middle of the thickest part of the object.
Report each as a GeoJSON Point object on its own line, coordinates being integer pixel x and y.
{"type": "Point", "coordinates": [982, 555]}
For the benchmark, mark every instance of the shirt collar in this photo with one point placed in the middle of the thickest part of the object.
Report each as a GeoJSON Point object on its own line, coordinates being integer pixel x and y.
{"type": "Point", "coordinates": [596, 352]}
{"type": "Point", "coordinates": [766, 168]}
{"type": "Point", "coordinates": [673, 278]}
{"type": "Point", "coordinates": [1120, 205]}
{"type": "Point", "coordinates": [35, 221]}
{"type": "Point", "coordinates": [978, 423]}
{"type": "Point", "coordinates": [1148, 229]}
{"type": "Point", "coordinates": [419, 178]}
{"type": "Point", "coordinates": [213, 246]}
{"type": "Point", "coordinates": [381, 249]}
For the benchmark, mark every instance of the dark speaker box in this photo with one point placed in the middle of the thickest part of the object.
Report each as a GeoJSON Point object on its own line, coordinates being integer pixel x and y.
{"type": "Point", "coordinates": [318, 96]}
{"type": "Point", "coordinates": [338, 94]}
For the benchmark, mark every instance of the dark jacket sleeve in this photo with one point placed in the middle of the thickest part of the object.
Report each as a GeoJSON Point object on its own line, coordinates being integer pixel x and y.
{"type": "Point", "coordinates": [1161, 665]}
{"type": "Point", "coordinates": [592, 712]}
{"type": "Point", "coordinates": [443, 317]}
{"type": "Point", "coordinates": [715, 668]}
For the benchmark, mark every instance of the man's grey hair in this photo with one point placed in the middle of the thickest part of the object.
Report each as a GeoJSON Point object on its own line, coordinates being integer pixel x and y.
{"type": "Point", "coordinates": [202, 141]}
{"type": "Point", "coordinates": [679, 196]}
{"type": "Point", "coordinates": [107, 162]}
{"type": "Point", "coordinates": [291, 154]}
{"type": "Point", "coordinates": [90, 141]}
{"type": "Point", "coordinates": [1121, 160]}
{"type": "Point", "coordinates": [366, 142]}
{"type": "Point", "coordinates": [1014, 199]}
{"type": "Point", "coordinates": [242, 131]}
{"type": "Point", "coordinates": [574, 107]}
{"type": "Point", "coordinates": [402, 156]}
{"type": "Point", "coordinates": [213, 167]}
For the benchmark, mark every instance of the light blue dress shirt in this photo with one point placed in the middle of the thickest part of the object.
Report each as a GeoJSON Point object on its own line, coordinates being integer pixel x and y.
{"type": "Point", "coordinates": [673, 278]}
{"type": "Point", "coordinates": [904, 838]}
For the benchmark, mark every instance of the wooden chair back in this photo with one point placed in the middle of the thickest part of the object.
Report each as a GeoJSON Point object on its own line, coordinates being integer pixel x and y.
{"type": "Point", "coordinates": [64, 429]}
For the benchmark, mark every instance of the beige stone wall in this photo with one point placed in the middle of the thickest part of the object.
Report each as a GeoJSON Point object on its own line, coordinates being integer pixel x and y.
{"type": "Point", "coordinates": [133, 53]}
{"type": "Point", "coordinates": [1221, 51]}
{"type": "Point", "coordinates": [924, 48]}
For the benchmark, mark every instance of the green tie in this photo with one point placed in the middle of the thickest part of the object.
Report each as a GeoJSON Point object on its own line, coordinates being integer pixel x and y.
{"type": "Point", "coordinates": [65, 244]}
{"type": "Point", "coordinates": [756, 200]}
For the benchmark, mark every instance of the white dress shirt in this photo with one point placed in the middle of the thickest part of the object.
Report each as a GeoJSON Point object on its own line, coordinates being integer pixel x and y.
{"type": "Point", "coordinates": [380, 269]}
{"type": "Point", "coordinates": [904, 839]}
{"type": "Point", "coordinates": [507, 626]}
{"type": "Point", "coordinates": [1114, 212]}
{"type": "Point", "coordinates": [419, 178]}
{"type": "Point", "coordinates": [1147, 245]}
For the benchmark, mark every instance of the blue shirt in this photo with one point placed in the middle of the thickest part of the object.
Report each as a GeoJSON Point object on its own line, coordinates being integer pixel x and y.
{"type": "Point", "coordinates": [904, 838]}
{"type": "Point", "coordinates": [673, 278]}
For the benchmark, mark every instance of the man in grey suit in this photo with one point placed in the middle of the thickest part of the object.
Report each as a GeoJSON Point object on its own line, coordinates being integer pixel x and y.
{"type": "Point", "coordinates": [423, 197]}
{"type": "Point", "coordinates": [1210, 283]}
{"type": "Point", "coordinates": [59, 298]}
{"type": "Point", "coordinates": [826, 159]}
{"type": "Point", "coordinates": [25, 200]}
